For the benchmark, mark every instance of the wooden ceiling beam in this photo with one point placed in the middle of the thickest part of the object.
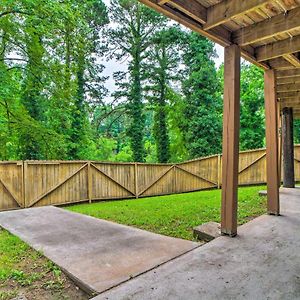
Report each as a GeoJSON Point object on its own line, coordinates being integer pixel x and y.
{"type": "Point", "coordinates": [295, 105]}
{"type": "Point", "coordinates": [162, 2]}
{"type": "Point", "coordinates": [288, 80]}
{"type": "Point", "coordinates": [227, 9]}
{"type": "Point", "coordinates": [290, 87]}
{"type": "Point", "coordinates": [286, 95]}
{"type": "Point", "coordinates": [191, 8]}
{"type": "Point", "coordinates": [297, 115]}
{"type": "Point", "coordinates": [288, 73]}
{"type": "Point", "coordinates": [296, 112]}
{"type": "Point", "coordinates": [181, 12]}
{"type": "Point", "coordinates": [280, 64]}
{"type": "Point", "coordinates": [277, 49]}
{"type": "Point", "coordinates": [292, 100]}
{"type": "Point", "coordinates": [292, 59]}
{"type": "Point", "coordinates": [217, 35]}
{"type": "Point", "coordinates": [289, 104]}
{"type": "Point", "coordinates": [257, 32]}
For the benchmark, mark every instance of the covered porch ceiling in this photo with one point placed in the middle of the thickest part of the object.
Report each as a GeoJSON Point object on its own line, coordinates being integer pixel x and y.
{"type": "Point", "coordinates": [268, 33]}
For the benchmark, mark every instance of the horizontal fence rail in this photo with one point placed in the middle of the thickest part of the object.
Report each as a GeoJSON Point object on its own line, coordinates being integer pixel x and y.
{"type": "Point", "coordinates": [37, 183]}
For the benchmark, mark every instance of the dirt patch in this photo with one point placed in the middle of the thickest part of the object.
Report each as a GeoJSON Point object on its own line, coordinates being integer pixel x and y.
{"type": "Point", "coordinates": [34, 277]}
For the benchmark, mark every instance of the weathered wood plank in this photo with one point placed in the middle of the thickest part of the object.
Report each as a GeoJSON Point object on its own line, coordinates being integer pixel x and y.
{"type": "Point", "coordinates": [215, 35]}
{"type": "Point", "coordinates": [285, 95]}
{"type": "Point", "coordinates": [39, 198]}
{"type": "Point", "coordinates": [231, 123]}
{"type": "Point", "coordinates": [292, 59]}
{"type": "Point", "coordinates": [280, 24]}
{"type": "Point", "coordinates": [290, 87]}
{"type": "Point", "coordinates": [191, 8]}
{"type": "Point", "coordinates": [277, 49]}
{"type": "Point", "coordinates": [252, 163]}
{"type": "Point", "coordinates": [112, 179]}
{"type": "Point", "coordinates": [228, 9]}
{"type": "Point", "coordinates": [156, 180]}
{"type": "Point", "coordinates": [272, 142]}
{"type": "Point", "coordinates": [287, 73]}
{"type": "Point", "coordinates": [196, 175]}
{"type": "Point", "coordinates": [288, 80]}
{"type": "Point", "coordinates": [18, 202]}
{"type": "Point", "coordinates": [162, 2]}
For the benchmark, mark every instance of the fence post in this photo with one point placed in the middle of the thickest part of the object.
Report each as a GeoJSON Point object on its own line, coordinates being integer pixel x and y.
{"type": "Point", "coordinates": [136, 180]}
{"type": "Point", "coordinates": [89, 179]}
{"type": "Point", "coordinates": [219, 171]}
{"type": "Point", "coordinates": [24, 178]}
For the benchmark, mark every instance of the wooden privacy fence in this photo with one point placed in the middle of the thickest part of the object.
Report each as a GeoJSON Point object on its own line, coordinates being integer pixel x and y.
{"type": "Point", "coordinates": [37, 183]}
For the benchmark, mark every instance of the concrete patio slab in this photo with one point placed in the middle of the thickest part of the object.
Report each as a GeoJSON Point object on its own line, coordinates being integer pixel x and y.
{"type": "Point", "coordinates": [97, 254]}
{"type": "Point", "coordinates": [262, 262]}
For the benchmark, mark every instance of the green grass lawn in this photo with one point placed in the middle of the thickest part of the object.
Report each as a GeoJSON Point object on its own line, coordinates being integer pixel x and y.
{"type": "Point", "coordinates": [24, 271]}
{"type": "Point", "coordinates": [174, 215]}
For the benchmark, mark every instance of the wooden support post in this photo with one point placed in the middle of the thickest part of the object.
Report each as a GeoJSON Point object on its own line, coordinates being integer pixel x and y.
{"type": "Point", "coordinates": [279, 146]}
{"type": "Point", "coordinates": [231, 125]}
{"type": "Point", "coordinates": [272, 142]}
{"type": "Point", "coordinates": [90, 185]}
{"type": "Point", "coordinates": [288, 148]}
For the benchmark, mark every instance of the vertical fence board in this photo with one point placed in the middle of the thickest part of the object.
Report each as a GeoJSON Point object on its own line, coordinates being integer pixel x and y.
{"type": "Point", "coordinates": [11, 185]}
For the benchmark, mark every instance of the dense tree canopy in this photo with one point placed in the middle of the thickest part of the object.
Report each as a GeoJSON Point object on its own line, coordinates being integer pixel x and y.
{"type": "Point", "coordinates": [167, 105]}
{"type": "Point", "coordinates": [202, 127]}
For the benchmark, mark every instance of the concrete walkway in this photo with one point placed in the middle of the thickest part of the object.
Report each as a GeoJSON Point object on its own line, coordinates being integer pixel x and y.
{"type": "Point", "coordinates": [263, 262]}
{"type": "Point", "coordinates": [97, 254]}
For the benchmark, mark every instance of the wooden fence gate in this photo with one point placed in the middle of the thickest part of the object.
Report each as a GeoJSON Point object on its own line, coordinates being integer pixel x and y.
{"type": "Point", "coordinates": [39, 183]}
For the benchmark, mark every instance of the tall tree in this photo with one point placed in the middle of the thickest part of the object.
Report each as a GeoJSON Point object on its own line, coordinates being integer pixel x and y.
{"type": "Point", "coordinates": [163, 61]}
{"type": "Point", "coordinates": [55, 49]}
{"type": "Point", "coordinates": [135, 25]}
{"type": "Point", "coordinates": [203, 126]}
{"type": "Point", "coordinates": [252, 107]}
{"type": "Point", "coordinates": [32, 95]}
{"type": "Point", "coordinates": [89, 82]}
{"type": "Point", "coordinates": [178, 148]}
{"type": "Point", "coordinates": [252, 131]}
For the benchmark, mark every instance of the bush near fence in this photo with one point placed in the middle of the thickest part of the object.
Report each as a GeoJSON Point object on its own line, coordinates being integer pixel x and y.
{"type": "Point", "coordinates": [38, 183]}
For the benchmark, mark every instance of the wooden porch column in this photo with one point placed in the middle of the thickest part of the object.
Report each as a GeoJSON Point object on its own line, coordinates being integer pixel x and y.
{"type": "Point", "coordinates": [272, 142]}
{"type": "Point", "coordinates": [288, 148]}
{"type": "Point", "coordinates": [279, 145]}
{"type": "Point", "coordinates": [231, 126]}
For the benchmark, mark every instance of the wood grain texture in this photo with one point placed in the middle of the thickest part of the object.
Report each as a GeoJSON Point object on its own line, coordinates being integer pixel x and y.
{"type": "Point", "coordinates": [39, 183]}
{"type": "Point", "coordinates": [272, 142]}
{"type": "Point", "coordinates": [231, 125]}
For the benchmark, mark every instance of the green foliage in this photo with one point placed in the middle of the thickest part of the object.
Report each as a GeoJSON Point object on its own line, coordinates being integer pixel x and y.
{"type": "Point", "coordinates": [163, 60]}
{"type": "Point", "coordinates": [178, 148]}
{"type": "Point", "coordinates": [54, 102]}
{"type": "Point", "coordinates": [11, 252]}
{"type": "Point", "coordinates": [252, 120]}
{"type": "Point", "coordinates": [48, 60]}
{"type": "Point", "coordinates": [252, 108]}
{"type": "Point", "coordinates": [297, 131]}
{"type": "Point", "coordinates": [202, 127]}
{"type": "Point", "coordinates": [135, 26]}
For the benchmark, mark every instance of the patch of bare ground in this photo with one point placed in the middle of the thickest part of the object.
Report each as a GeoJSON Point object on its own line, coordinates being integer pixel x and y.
{"type": "Point", "coordinates": [27, 274]}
